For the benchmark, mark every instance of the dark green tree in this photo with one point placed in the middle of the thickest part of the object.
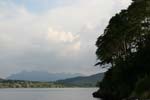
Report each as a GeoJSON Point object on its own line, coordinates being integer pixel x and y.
{"type": "Point", "coordinates": [125, 44]}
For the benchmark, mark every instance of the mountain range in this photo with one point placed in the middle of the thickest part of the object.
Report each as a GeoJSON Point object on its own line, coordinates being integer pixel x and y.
{"type": "Point", "coordinates": [66, 79]}
{"type": "Point", "coordinates": [42, 76]}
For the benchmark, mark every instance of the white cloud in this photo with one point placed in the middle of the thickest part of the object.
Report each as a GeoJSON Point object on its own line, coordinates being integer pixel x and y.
{"type": "Point", "coordinates": [60, 37]}
{"type": "Point", "coordinates": [72, 50]}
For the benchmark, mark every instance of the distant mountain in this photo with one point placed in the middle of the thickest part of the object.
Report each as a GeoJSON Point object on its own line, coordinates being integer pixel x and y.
{"type": "Point", "coordinates": [1, 79]}
{"type": "Point", "coordinates": [41, 76]}
{"type": "Point", "coordinates": [86, 81]}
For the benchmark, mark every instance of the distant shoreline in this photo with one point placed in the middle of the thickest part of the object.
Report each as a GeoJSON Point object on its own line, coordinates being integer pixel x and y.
{"type": "Point", "coordinates": [36, 84]}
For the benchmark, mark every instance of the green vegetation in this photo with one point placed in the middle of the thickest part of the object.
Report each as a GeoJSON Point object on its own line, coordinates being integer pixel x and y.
{"type": "Point", "coordinates": [86, 81]}
{"type": "Point", "coordinates": [125, 45]}
{"type": "Point", "coordinates": [27, 84]}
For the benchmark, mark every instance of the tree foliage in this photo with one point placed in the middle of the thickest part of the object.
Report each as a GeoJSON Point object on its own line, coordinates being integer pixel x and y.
{"type": "Point", "coordinates": [125, 44]}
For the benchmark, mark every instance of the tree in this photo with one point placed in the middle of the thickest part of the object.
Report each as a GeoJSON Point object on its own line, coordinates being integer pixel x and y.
{"type": "Point", "coordinates": [124, 44]}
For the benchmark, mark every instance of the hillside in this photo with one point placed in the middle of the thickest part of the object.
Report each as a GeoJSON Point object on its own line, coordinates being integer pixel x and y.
{"type": "Point", "coordinates": [80, 81]}
{"type": "Point", "coordinates": [42, 76]}
{"type": "Point", "coordinates": [87, 81]}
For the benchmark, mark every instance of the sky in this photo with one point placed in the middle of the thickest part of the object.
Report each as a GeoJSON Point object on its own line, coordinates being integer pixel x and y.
{"type": "Point", "coordinates": [53, 35]}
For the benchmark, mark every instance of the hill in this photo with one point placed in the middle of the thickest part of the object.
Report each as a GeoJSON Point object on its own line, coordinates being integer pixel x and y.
{"type": "Point", "coordinates": [82, 81]}
{"type": "Point", "coordinates": [42, 76]}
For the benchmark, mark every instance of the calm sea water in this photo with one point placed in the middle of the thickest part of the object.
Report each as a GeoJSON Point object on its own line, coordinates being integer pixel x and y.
{"type": "Point", "coordinates": [48, 94]}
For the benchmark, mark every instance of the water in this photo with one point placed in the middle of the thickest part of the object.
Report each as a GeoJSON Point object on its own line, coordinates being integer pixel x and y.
{"type": "Point", "coordinates": [48, 94]}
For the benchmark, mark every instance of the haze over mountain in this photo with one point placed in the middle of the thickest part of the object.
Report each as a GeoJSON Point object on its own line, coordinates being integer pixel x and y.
{"type": "Point", "coordinates": [41, 76]}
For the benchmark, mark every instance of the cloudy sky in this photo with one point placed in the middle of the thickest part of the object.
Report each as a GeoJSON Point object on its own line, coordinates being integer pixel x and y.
{"type": "Point", "coordinates": [53, 35]}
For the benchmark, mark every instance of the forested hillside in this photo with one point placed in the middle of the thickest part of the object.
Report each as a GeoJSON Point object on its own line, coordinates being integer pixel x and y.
{"type": "Point", "coordinates": [82, 81]}
{"type": "Point", "coordinates": [125, 44]}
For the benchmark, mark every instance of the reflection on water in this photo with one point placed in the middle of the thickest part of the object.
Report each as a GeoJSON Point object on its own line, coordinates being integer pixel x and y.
{"type": "Point", "coordinates": [48, 94]}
